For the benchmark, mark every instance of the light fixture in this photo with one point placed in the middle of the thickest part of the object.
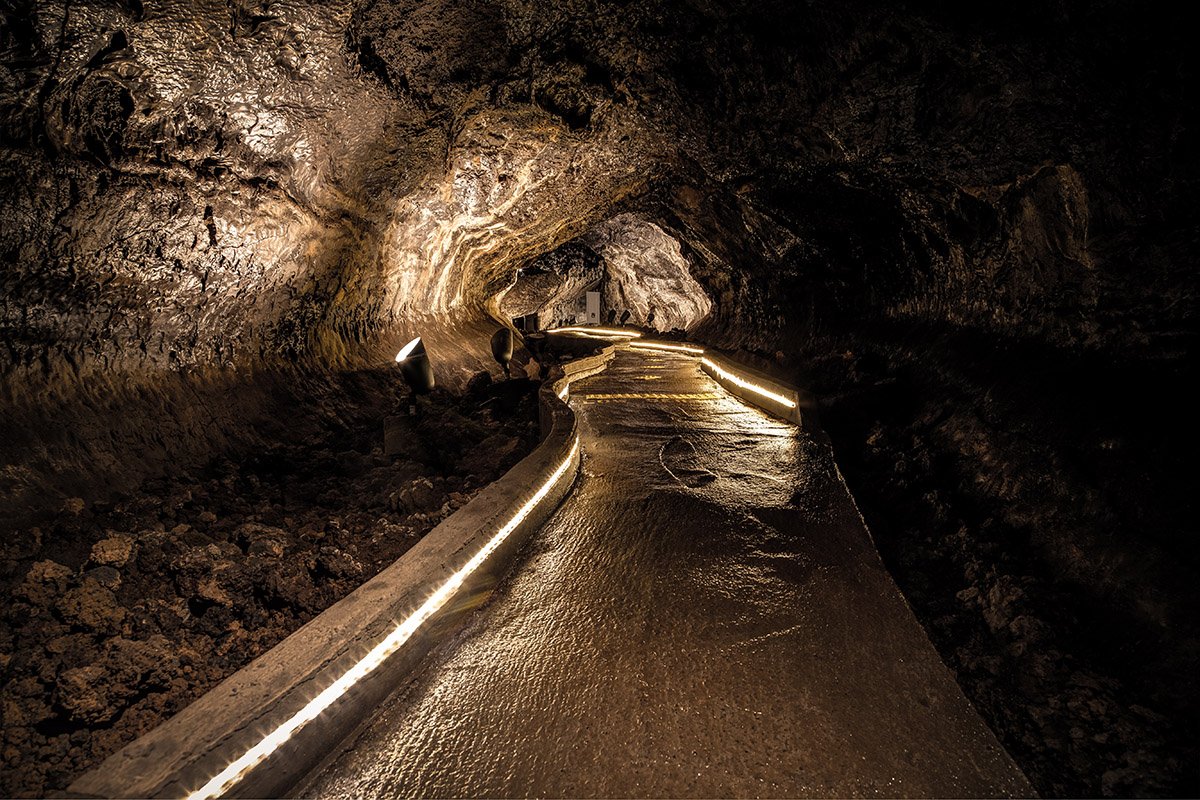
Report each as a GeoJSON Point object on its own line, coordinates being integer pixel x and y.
{"type": "Point", "coordinates": [415, 367]}
{"type": "Point", "coordinates": [407, 349]}
{"type": "Point", "coordinates": [502, 348]}
{"type": "Point", "coordinates": [681, 348]}
{"type": "Point", "coordinates": [745, 384]}
{"type": "Point", "coordinates": [401, 633]}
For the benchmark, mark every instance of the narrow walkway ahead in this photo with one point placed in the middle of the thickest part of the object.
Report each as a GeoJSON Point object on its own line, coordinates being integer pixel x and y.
{"type": "Point", "coordinates": [705, 616]}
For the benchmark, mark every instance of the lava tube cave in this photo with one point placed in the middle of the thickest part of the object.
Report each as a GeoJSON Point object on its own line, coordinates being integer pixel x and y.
{"type": "Point", "coordinates": [294, 292]}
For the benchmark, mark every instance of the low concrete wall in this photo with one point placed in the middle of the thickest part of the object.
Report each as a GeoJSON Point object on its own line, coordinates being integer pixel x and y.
{"type": "Point", "coordinates": [774, 396]}
{"type": "Point", "coordinates": [185, 754]}
{"type": "Point", "coordinates": [757, 388]}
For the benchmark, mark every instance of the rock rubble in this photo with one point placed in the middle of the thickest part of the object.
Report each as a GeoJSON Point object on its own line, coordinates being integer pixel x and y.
{"type": "Point", "coordinates": [143, 604]}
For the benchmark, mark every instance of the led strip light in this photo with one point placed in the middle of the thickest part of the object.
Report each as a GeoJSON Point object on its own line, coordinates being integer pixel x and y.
{"type": "Point", "coordinates": [583, 335]}
{"type": "Point", "coordinates": [601, 397]}
{"type": "Point", "coordinates": [400, 634]}
{"type": "Point", "coordinates": [745, 384]}
{"type": "Point", "coordinates": [682, 348]}
{"type": "Point", "coordinates": [602, 331]}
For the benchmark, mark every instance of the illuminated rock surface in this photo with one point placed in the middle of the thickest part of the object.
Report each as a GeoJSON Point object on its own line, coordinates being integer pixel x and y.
{"type": "Point", "coordinates": [969, 229]}
{"type": "Point", "coordinates": [552, 285]}
{"type": "Point", "coordinates": [647, 275]}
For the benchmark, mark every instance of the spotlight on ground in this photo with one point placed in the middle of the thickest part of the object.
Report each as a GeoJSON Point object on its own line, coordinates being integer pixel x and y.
{"type": "Point", "coordinates": [415, 367]}
{"type": "Point", "coordinates": [502, 348]}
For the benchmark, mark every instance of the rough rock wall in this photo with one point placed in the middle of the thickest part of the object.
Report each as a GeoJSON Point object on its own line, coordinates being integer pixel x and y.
{"type": "Point", "coordinates": [971, 227]}
{"type": "Point", "coordinates": [186, 178]}
{"type": "Point", "coordinates": [206, 196]}
{"type": "Point", "coordinates": [647, 275]}
{"type": "Point", "coordinates": [512, 190]}
{"type": "Point", "coordinates": [639, 269]}
{"type": "Point", "coordinates": [552, 284]}
{"type": "Point", "coordinates": [174, 207]}
{"type": "Point", "coordinates": [220, 184]}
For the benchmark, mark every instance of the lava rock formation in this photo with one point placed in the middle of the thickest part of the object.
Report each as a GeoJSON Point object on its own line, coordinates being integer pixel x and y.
{"type": "Point", "coordinates": [969, 228]}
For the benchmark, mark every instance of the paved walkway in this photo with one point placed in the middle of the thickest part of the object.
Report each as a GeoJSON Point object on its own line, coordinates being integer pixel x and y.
{"type": "Point", "coordinates": [705, 616]}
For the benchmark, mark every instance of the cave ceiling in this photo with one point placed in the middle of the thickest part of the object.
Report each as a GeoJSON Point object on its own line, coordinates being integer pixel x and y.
{"type": "Point", "coordinates": [222, 182]}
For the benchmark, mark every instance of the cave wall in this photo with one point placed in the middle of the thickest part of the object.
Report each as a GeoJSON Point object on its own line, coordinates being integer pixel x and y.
{"type": "Point", "coordinates": [647, 275]}
{"type": "Point", "coordinates": [552, 284]}
{"type": "Point", "coordinates": [969, 228]}
{"type": "Point", "coordinates": [210, 199]}
{"type": "Point", "coordinates": [638, 269]}
{"type": "Point", "coordinates": [181, 201]}
{"type": "Point", "coordinates": [182, 182]}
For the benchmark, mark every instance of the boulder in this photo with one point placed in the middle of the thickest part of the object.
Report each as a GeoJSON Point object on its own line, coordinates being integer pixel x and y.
{"type": "Point", "coordinates": [92, 606]}
{"type": "Point", "coordinates": [44, 581]}
{"type": "Point", "coordinates": [84, 693]}
{"type": "Point", "coordinates": [262, 540]}
{"type": "Point", "coordinates": [108, 577]}
{"type": "Point", "coordinates": [418, 497]}
{"type": "Point", "coordinates": [339, 564]}
{"type": "Point", "coordinates": [115, 550]}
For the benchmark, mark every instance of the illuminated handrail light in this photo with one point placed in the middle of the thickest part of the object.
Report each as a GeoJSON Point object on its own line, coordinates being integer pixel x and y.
{"type": "Point", "coordinates": [400, 634]}
{"type": "Point", "coordinates": [682, 348]}
{"type": "Point", "coordinates": [601, 331]}
{"type": "Point", "coordinates": [406, 351]}
{"type": "Point", "coordinates": [745, 384]}
{"type": "Point", "coordinates": [597, 337]}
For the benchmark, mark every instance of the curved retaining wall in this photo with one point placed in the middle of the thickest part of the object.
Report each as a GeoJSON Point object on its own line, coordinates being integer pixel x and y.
{"type": "Point", "coordinates": [259, 732]}
{"type": "Point", "coordinates": [757, 388]}
{"type": "Point", "coordinates": [774, 396]}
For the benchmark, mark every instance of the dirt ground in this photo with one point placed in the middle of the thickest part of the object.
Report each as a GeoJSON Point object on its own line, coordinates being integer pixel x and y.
{"type": "Point", "coordinates": [120, 614]}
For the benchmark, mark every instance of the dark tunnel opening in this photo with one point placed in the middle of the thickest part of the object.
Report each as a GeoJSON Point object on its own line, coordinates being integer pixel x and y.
{"type": "Point", "coordinates": [968, 232]}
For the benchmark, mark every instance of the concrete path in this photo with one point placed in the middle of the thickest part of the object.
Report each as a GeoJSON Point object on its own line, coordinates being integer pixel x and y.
{"type": "Point", "coordinates": [705, 616]}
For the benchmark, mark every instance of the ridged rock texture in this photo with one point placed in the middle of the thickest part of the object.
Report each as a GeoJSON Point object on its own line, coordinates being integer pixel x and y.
{"type": "Point", "coordinates": [553, 284]}
{"type": "Point", "coordinates": [969, 228]}
{"type": "Point", "coordinates": [647, 275]}
{"type": "Point", "coordinates": [637, 268]}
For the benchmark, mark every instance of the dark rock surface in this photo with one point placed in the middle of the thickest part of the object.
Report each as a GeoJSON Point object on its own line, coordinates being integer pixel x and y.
{"type": "Point", "coordinates": [552, 284]}
{"type": "Point", "coordinates": [120, 613]}
{"type": "Point", "coordinates": [970, 227]}
{"type": "Point", "coordinates": [1015, 532]}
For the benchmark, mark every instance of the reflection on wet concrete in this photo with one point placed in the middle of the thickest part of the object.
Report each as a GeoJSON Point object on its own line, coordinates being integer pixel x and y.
{"type": "Point", "coordinates": [704, 616]}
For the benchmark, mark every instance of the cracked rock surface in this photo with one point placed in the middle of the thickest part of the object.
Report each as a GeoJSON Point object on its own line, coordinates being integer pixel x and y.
{"type": "Point", "coordinates": [970, 230]}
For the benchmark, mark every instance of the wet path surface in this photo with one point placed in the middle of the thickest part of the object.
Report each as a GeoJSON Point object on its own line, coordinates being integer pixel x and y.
{"type": "Point", "coordinates": [705, 616]}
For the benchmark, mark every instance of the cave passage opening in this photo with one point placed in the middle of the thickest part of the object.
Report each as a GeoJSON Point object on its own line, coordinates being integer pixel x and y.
{"type": "Point", "coordinates": [625, 270]}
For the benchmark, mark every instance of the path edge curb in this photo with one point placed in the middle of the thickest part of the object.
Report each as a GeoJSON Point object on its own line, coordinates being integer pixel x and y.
{"type": "Point", "coordinates": [184, 752]}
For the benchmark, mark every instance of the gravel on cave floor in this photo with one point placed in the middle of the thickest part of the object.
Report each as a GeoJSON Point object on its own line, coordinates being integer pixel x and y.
{"type": "Point", "coordinates": [1086, 701]}
{"type": "Point", "coordinates": [118, 615]}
